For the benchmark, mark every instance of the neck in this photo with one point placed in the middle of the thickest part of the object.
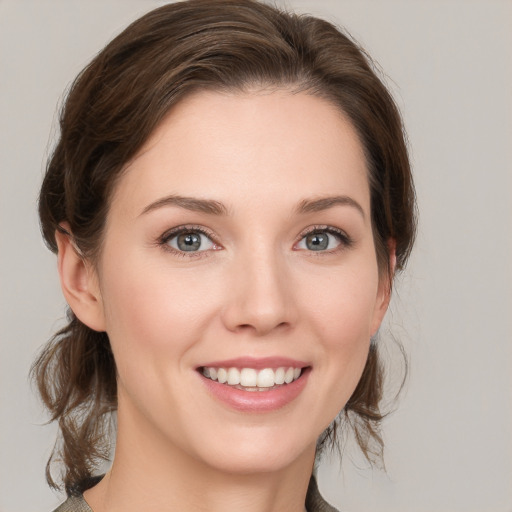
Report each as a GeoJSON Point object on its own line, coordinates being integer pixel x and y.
{"type": "Point", "coordinates": [154, 475]}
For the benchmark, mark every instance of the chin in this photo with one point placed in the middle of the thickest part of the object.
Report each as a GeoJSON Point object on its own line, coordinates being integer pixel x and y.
{"type": "Point", "coordinates": [257, 452]}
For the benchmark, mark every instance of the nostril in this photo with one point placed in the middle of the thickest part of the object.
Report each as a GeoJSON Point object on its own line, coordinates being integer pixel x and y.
{"type": "Point", "coordinates": [262, 328]}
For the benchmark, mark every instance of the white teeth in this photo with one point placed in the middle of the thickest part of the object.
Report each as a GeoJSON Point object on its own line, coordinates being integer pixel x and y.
{"type": "Point", "coordinates": [233, 377]}
{"type": "Point", "coordinates": [222, 375]}
{"type": "Point", "coordinates": [251, 379]}
{"type": "Point", "coordinates": [248, 377]}
{"type": "Point", "coordinates": [280, 376]}
{"type": "Point", "coordinates": [266, 378]}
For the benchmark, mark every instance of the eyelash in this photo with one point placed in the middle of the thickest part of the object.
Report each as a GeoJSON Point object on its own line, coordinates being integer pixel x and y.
{"type": "Point", "coordinates": [345, 240]}
{"type": "Point", "coordinates": [163, 241]}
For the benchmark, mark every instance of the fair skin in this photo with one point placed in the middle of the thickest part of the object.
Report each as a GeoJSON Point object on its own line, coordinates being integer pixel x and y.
{"type": "Point", "coordinates": [279, 270]}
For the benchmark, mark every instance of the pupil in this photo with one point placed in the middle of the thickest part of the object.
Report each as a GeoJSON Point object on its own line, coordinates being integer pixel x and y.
{"type": "Point", "coordinates": [317, 242]}
{"type": "Point", "coordinates": [189, 241]}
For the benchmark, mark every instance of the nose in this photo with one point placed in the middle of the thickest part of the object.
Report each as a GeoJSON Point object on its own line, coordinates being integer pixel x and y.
{"type": "Point", "coordinates": [260, 296]}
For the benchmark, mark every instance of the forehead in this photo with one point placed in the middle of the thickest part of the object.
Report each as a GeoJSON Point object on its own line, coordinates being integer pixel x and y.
{"type": "Point", "coordinates": [264, 145]}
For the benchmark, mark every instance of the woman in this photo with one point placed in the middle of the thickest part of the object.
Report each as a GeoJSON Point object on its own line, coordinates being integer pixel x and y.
{"type": "Point", "coordinates": [229, 200]}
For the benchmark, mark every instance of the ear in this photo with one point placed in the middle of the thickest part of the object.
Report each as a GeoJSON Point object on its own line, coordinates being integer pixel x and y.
{"type": "Point", "coordinates": [384, 289]}
{"type": "Point", "coordinates": [79, 281]}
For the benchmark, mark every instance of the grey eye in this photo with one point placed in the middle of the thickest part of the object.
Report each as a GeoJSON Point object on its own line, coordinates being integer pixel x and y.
{"type": "Point", "coordinates": [319, 241]}
{"type": "Point", "coordinates": [190, 241]}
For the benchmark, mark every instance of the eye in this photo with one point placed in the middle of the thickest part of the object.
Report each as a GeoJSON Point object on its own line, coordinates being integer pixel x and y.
{"type": "Point", "coordinates": [190, 240]}
{"type": "Point", "coordinates": [323, 239]}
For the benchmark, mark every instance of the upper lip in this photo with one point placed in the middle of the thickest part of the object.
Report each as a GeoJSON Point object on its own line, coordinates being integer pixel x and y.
{"type": "Point", "coordinates": [258, 363]}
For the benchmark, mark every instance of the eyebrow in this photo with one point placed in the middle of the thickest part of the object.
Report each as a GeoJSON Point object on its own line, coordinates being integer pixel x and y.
{"type": "Point", "coordinates": [213, 207]}
{"type": "Point", "coordinates": [188, 203]}
{"type": "Point", "coordinates": [324, 203]}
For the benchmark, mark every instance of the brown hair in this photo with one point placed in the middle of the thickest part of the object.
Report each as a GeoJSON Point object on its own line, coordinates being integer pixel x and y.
{"type": "Point", "coordinates": [110, 111]}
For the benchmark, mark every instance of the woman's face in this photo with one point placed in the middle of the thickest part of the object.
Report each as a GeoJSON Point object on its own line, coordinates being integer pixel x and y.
{"type": "Point", "coordinates": [239, 245]}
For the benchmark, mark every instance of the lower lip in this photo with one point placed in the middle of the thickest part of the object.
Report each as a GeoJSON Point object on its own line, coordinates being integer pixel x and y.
{"type": "Point", "coordinates": [257, 401]}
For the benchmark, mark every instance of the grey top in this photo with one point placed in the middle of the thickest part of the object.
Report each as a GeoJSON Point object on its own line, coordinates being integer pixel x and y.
{"type": "Point", "coordinates": [74, 504]}
{"type": "Point", "coordinates": [314, 502]}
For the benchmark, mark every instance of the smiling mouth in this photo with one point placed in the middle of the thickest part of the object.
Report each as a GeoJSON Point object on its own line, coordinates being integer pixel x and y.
{"type": "Point", "coordinates": [250, 379]}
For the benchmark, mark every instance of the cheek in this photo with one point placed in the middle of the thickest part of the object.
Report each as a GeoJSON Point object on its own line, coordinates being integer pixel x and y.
{"type": "Point", "coordinates": [153, 311]}
{"type": "Point", "coordinates": [343, 303]}
{"type": "Point", "coordinates": [138, 306]}
{"type": "Point", "coordinates": [153, 319]}
{"type": "Point", "coordinates": [343, 313]}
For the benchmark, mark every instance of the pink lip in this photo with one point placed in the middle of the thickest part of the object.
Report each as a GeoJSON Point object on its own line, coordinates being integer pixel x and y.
{"type": "Point", "coordinates": [258, 363]}
{"type": "Point", "coordinates": [256, 401]}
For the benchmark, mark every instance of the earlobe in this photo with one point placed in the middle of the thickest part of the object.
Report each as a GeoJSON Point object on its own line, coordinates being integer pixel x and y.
{"type": "Point", "coordinates": [79, 282]}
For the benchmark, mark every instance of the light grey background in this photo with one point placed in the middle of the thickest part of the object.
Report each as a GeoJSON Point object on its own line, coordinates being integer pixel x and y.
{"type": "Point", "coordinates": [449, 64]}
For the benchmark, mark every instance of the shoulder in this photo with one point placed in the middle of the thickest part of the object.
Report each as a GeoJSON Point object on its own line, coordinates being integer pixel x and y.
{"type": "Point", "coordinates": [315, 501]}
{"type": "Point", "coordinates": [74, 504]}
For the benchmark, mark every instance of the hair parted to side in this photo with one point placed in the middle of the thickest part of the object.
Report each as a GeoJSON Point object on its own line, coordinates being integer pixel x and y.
{"type": "Point", "coordinates": [113, 107]}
